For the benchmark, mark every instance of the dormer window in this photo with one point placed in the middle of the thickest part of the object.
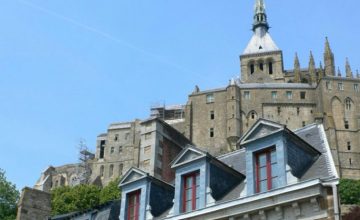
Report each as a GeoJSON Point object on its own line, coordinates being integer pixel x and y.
{"type": "Point", "coordinates": [265, 170]}
{"type": "Point", "coordinates": [191, 192]}
{"type": "Point", "coordinates": [133, 204]}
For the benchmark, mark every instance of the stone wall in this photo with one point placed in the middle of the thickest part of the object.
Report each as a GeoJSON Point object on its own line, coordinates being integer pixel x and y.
{"type": "Point", "coordinates": [34, 204]}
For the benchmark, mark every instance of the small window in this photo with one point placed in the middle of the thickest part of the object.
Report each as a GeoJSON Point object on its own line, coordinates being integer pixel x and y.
{"type": "Point", "coordinates": [302, 95]}
{"type": "Point", "coordinates": [253, 116]}
{"type": "Point", "coordinates": [133, 205]}
{"type": "Point", "coordinates": [121, 166]}
{"type": "Point", "coordinates": [278, 110]}
{"type": "Point", "coordinates": [247, 95]}
{"type": "Point", "coordinates": [328, 85]}
{"type": "Point", "coordinates": [212, 115]}
{"type": "Point", "coordinates": [120, 149]}
{"type": "Point", "coordinates": [270, 65]}
{"type": "Point", "coordinates": [127, 135]}
{"type": "Point", "coordinates": [211, 132]}
{"type": "Point", "coordinates": [298, 110]}
{"type": "Point", "coordinates": [210, 98]}
{"type": "Point", "coordinates": [356, 87]}
{"type": "Point", "coordinates": [116, 138]}
{"type": "Point", "coordinates": [274, 95]}
{"type": "Point", "coordinates": [266, 170]}
{"type": "Point", "coordinates": [102, 149]}
{"type": "Point", "coordinates": [349, 145]}
{"type": "Point", "coordinates": [191, 192]}
{"type": "Point", "coordinates": [350, 162]}
{"type": "Point", "coordinates": [252, 68]}
{"type": "Point", "coordinates": [111, 170]}
{"type": "Point", "coordinates": [346, 124]}
{"type": "Point", "coordinates": [289, 95]}
{"type": "Point", "coordinates": [112, 149]}
{"type": "Point", "coordinates": [303, 123]}
{"type": "Point", "coordinates": [340, 86]}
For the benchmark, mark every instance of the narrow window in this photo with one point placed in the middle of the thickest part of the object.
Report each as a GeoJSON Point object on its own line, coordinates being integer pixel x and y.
{"type": "Point", "coordinates": [266, 166]}
{"type": "Point", "coordinates": [101, 170]}
{"type": "Point", "coordinates": [274, 95]}
{"type": "Point", "coordinates": [303, 123]}
{"type": "Point", "coordinates": [191, 193]}
{"type": "Point", "coordinates": [298, 110]}
{"type": "Point", "coordinates": [350, 162]}
{"type": "Point", "coordinates": [210, 98]}
{"type": "Point", "coordinates": [252, 115]}
{"type": "Point", "coordinates": [302, 95]}
{"type": "Point", "coordinates": [212, 115]}
{"type": "Point", "coordinates": [112, 149]}
{"type": "Point", "coordinates": [133, 204]}
{"type": "Point", "coordinates": [340, 86]}
{"type": "Point", "coordinates": [356, 87]}
{"type": "Point", "coordinates": [111, 170]}
{"type": "Point", "coordinates": [261, 66]}
{"type": "Point", "coordinates": [328, 85]}
{"type": "Point", "coordinates": [289, 95]}
{"type": "Point", "coordinates": [127, 135]}
{"type": "Point", "coordinates": [102, 149]}
{"type": "Point", "coordinates": [279, 110]}
{"type": "Point", "coordinates": [349, 145]}
{"type": "Point", "coordinates": [211, 132]}
{"type": "Point", "coordinates": [270, 68]}
{"type": "Point", "coordinates": [120, 149]}
{"type": "Point", "coordinates": [116, 138]}
{"type": "Point", "coordinates": [121, 166]}
{"type": "Point", "coordinates": [346, 123]}
{"type": "Point", "coordinates": [252, 68]}
{"type": "Point", "coordinates": [348, 104]}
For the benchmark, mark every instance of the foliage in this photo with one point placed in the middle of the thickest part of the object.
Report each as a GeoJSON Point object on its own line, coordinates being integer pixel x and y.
{"type": "Point", "coordinates": [8, 198]}
{"type": "Point", "coordinates": [354, 214]}
{"type": "Point", "coordinates": [350, 191]}
{"type": "Point", "coordinates": [67, 199]}
{"type": "Point", "coordinates": [110, 192]}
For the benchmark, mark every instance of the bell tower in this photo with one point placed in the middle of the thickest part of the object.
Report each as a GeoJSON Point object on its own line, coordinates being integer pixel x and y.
{"type": "Point", "coordinates": [261, 60]}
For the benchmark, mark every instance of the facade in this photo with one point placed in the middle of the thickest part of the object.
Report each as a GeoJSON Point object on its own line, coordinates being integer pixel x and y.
{"type": "Point", "coordinates": [275, 174]}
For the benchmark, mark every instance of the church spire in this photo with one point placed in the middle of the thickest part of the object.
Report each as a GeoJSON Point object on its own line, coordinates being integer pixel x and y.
{"type": "Point", "coordinates": [349, 73]}
{"type": "Point", "coordinates": [321, 71]}
{"type": "Point", "coordinates": [297, 70]}
{"type": "Point", "coordinates": [329, 60]}
{"type": "Point", "coordinates": [260, 17]}
{"type": "Point", "coordinates": [312, 69]}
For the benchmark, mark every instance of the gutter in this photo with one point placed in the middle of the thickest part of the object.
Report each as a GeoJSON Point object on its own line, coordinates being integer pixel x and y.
{"type": "Point", "coordinates": [334, 186]}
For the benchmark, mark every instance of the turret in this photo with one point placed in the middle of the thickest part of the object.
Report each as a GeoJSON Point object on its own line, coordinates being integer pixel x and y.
{"type": "Point", "coordinates": [312, 69]}
{"type": "Point", "coordinates": [329, 60]}
{"type": "Point", "coordinates": [349, 73]}
{"type": "Point", "coordinates": [297, 70]}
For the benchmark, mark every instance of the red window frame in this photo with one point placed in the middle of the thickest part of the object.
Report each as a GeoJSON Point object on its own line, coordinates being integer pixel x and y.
{"type": "Point", "coordinates": [268, 164]}
{"type": "Point", "coordinates": [193, 187]}
{"type": "Point", "coordinates": [133, 205]}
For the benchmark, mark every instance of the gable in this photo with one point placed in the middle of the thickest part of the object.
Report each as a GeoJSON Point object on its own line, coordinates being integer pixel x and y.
{"type": "Point", "coordinates": [132, 175]}
{"type": "Point", "coordinates": [187, 155]}
{"type": "Point", "coordinates": [261, 128]}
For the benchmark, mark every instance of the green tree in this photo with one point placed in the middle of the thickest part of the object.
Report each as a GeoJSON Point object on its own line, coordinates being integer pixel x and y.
{"type": "Point", "coordinates": [8, 198]}
{"type": "Point", "coordinates": [349, 191]}
{"type": "Point", "coordinates": [110, 192]}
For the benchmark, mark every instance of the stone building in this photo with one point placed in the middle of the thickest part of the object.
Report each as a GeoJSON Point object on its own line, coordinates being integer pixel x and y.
{"type": "Point", "coordinates": [217, 118]}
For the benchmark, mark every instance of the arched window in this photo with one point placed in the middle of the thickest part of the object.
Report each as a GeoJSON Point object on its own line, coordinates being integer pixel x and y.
{"type": "Point", "coordinates": [101, 170]}
{"type": "Point", "coordinates": [252, 68]}
{"type": "Point", "coordinates": [111, 170]}
{"type": "Point", "coordinates": [270, 66]}
{"type": "Point", "coordinates": [348, 104]}
{"type": "Point", "coordinates": [261, 66]}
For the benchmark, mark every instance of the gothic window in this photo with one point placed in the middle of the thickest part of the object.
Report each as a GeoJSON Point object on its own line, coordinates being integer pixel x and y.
{"type": "Point", "coordinates": [289, 95]}
{"type": "Point", "coordinates": [101, 170]}
{"type": "Point", "coordinates": [211, 132]}
{"type": "Point", "coordinates": [253, 115]}
{"type": "Point", "coordinates": [340, 86]}
{"type": "Point", "coordinates": [302, 95]}
{"type": "Point", "coordinates": [191, 192]}
{"type": "Point", "coordinates": [270, 66]}
{"type": "Point", "coordinates": [210, 98]}
{"type": "Point", "coordinates": [212, 115]}
{"type": "Point", "coordinates": [265, 170]}
{"type": "Point", "coordinates": [111, 170]}
{"type": "Point", "coordinates": [252, 68]}
{"type": "Point", "coordinates": [274, 95]}
{"type": "Point", "coordinates": [133, 204]}
{"type": "Point", "coordinates": [247, 95]}
{"type": "Point", "coordinates": [348, 104]}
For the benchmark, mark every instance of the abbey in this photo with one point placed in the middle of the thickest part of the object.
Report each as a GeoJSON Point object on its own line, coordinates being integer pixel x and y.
{"type": "Point", "coordinates": [215, 120]}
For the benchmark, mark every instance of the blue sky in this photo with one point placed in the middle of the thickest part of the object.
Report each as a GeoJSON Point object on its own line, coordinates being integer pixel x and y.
{"type": "Point", "coordinates": [69, 68]}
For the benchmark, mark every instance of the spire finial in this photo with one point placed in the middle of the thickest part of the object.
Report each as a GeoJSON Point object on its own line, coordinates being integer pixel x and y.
{"type": "Point", "coordinates": [260, 18]}
{"type": "Point", "coordinates": [349, 73]}
{"type": "Point", "coordinates": [312, 68]}
{"type": "Point", "coordinates": [329, 60]}
{"type": "Point", "coordinates": [297, 70]}
{"type": "Point", "coordinates": [321, 71]}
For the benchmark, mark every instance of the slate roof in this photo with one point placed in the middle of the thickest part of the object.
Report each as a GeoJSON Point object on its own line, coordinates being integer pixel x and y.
{"type": "Point", "coordinates": [260, 42]}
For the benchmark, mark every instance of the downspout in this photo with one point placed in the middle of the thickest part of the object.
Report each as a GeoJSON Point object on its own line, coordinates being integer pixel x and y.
{"type": "Point", "coordinates": [333, 185]}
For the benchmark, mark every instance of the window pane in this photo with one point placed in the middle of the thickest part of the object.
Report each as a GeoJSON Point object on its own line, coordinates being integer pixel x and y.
{"type": "Point", "coordinates": [197, 203]}
{"type": "Point", "coordinates": [262, 173]}
{"type": "Point", "coordinates": [188, 194]}
{"type": "Point", "coordinates": [262, 160]}
{"type": "Point", "coordinates": [274, 183]}
{"type": "Point", "coordinates": [263, 186]}
{"type": "Point", "coordinates": [188, 206]}
{"type": "Point", "coordinates": [188, 182]}
{"type": "Point", "coordinates": [273, 156]}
